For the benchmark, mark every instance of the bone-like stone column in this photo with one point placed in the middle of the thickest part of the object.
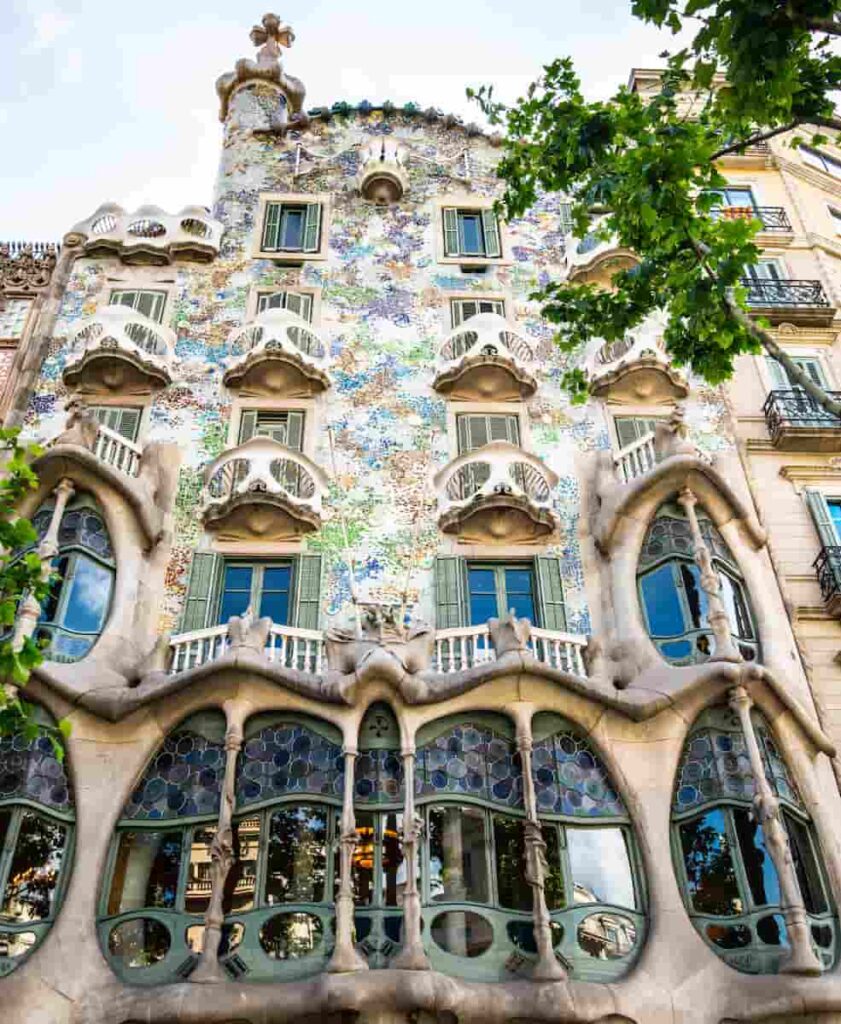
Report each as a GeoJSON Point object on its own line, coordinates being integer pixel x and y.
{"type": "Point", "coordinates": [345, 956]}
{"type": "Point", "coordinates": [547, 967]}
{"type": "Point", "coordinates": [412, 957]}
{"type": "Point", "coordinates": [802, 959]}
{"type": "Point", "coordinates": [30, 609]}
{"type": "Point", "coordinates": [725, 648]}
{"type": "Point", "coordinates": [222, 848]}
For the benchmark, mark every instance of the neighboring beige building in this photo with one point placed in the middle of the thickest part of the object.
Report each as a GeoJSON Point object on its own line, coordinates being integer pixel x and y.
{"type": "Point", "coordinates": [402, 690]}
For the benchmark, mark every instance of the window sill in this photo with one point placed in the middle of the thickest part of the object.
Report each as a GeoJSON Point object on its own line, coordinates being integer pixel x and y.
{"type": "Point", "coordinates": [289, 257]}
{"type": "Point", "coordinates": [476, 262]}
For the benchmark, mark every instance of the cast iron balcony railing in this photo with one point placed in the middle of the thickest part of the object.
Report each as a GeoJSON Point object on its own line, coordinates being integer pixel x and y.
{"type": "Point", "coordinates": [828, 569]}
{"type": "Point", "coordinates": [788, 293]}
{"type": "Point", "coordinates": [773, 218]}
{"type": "Point", "coordinates": [793, 415]}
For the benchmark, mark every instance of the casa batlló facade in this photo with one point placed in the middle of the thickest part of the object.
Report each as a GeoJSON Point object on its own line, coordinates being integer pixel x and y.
{"type": "Point", "coordinates": [401, 689]}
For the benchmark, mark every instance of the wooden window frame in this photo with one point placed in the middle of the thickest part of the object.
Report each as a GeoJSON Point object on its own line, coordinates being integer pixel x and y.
{"type": "Point", "coordinates": [269, 199]}
{"type": "Point", "coordinates": [162, 293]}
{"type": "Point", "coordinates": [472, 204]}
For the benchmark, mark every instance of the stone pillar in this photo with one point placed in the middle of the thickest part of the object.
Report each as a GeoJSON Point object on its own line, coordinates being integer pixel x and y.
{"type": "Point", "coordinates": [30, 609]}
{"type": "Point", "coordinates": [345, 956]}
{"type": "Point", "coordinates": [547, 967]}
{"type": "Point", "coordinates": [802, 959]}
{"type": "Point", "coordinates": [208, 968]}
{"type": "Point", "coordinates": [412, 956]}
{"type": "Point", "coordinates": [725, 648]}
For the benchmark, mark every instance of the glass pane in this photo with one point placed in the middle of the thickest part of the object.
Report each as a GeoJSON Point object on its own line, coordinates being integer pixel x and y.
{"type": "Point", "coordinates": [709, 865]}
{"type": "Point", "coordinates": [49, 607]}
{"type": "Point", "coordinates": [470, 229]}
{"type": "Point", "coordinates": [462, 933]}
{"type": "Point", "coordinates": [554, 881]}
{"type": "Point", "coordinates": [738, 197]}
{"type": "Point", "coordinates": [394, 866]}
{"type": "Point", "coordinates": [607, 936]}
{"type": "Point", "coordinates": [275, 606]}
{"type": "Point", "coordinates": [5, 819]}
{"type": "Point", "coordinates": [297, 855]}
{"type": "Point", "coordinates": [241, 883]}
{"type": "Point", "coordinates": [600, 865]}
{"type": "Point", "coordinates": [482, 581]}
{"type": "Point", "coordinates": [146, 871]}
{"type": "Point", "coordinates": [362, 873]}
{"type": "Point", "coordinates": [835, 515]}
{"type": "Point", "coordinates": [236, 591]}
{"type": "Point", "coordinates": [290, 936]}
{"type": "Point", "coordinates": [696, 597]}
{"type": "Point", "coordinates": [482, 588]}
{"type": "Point", "coordinates": [292, 228]}
{"type": "Point", "coordinates": [199, 872]}
{"type": "Point", "coordinates": [90, 596]}
{"type": "Point", "coordinates": [734, 601]}
{"type": "Point", "coordinates": [509, 842]}
{"type": "Point", "coordinates": [519, 592]}
{"type": "Point", "coordinates": [458, 844]}
{"type": "Point", "coordinates": [662, 604]}
{"type": "Point", "coordinates": [34, 870]}
{"type": "Point", "coordinates": [140, 942]}
{"type": "Point", "coordinates": [276, 577]}
{"type": "Point", "coordinates": [808, 874]}
{"type": "Point", "coordinates": [759, 868]}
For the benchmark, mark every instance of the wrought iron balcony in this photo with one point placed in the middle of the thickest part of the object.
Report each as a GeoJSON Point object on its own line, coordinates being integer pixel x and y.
{"type": "Point", "coordinates": [828, 569]}
{"type": "Point", "coordinates": [485, 359]}
{"type": "Point", "coordinates": [773, 218]}
{"type": "Point", "coordinates": [796, 422]}
{"type": "Point", "coordinates": [496, 494]}
{"type": "Point", "coordinates": [278, 353]}
{"type": "Point", "coordinates": [796, 301]}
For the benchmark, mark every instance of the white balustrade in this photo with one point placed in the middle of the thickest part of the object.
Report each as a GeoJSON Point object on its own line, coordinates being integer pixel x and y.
{"type": "Point", "coordinates": [189, 650]}
{"type": "Point", "coordinates": [115, 450]}
{"type": "Point", "coordinates": [301, 649]}
{"type": "Point", "coordinates": [468, 646]}
{"type": "Point", "coordinates": [636, 458]}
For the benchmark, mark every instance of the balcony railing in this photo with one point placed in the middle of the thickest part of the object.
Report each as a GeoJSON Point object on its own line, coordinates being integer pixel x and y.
{"type": "Point", "coordinates": [485, 334]}
{"type": "Point", "coordinates": [300, 649]}
{"type": "Point", "coordinates": [788, 411]}
{"type": "Point", "coordinates": [828, 569]}
{"type": "Point", "coordinates": [773, 218]}
{"type": "Point", "coordinates": [304, 649]}
{"type": "Point", "coordinates": [785, 293]}
{"type": "Point", "coordinates": [468, 646]}
{"type": "Point", "coordinates": [115, 450]}
{"type": "Point", "coordinates": [149, 235]}
{"type": "Point", "coordinates": [636, 458]}
{"type": "Point", "coordinates": [117, 332]}
{"type": "Point", "coordinates": [278, 328]}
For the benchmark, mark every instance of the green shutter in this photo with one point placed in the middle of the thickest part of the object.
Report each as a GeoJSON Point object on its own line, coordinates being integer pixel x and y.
{"type": "Point", "coordinates": [449, 591]}
{"type": "Point", "coordinates": [565, 218]}
{"type": "Point", "coordinates": [200, 591]}
{"type": "Point", "coordinates": [504, 428]}
{"type": "Point", "coordinates": [451, 232]}
{"type": "Point", "coordinates": [294, 430]}
{"type": "Point", "coordinates": [300, 304]}
{"type": "Point", "coordinates": [312, 227]}
{"type": "Point", "coordinates": [490, 227]}
{"type": "Point", "coordinates": [128, 422]}
{"type": "Point", "coordinates": [308, 592]}
{"type": "Point", "coordinates": [271, 226]}
{"type": "Point", "coordinates": [821, 516]}
{"type": "Point", "coordinates": [247, 425]}
{"type": "Point", "coordinates": [150, 304]}
{"type": "Point", "coordinates": [551, 593]}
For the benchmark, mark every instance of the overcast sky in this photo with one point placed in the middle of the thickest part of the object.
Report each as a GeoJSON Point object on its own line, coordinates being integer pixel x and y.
{"type": "Point", "coordinates": [106, 101]}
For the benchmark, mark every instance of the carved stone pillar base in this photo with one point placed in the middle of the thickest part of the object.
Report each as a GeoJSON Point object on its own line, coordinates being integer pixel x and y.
{"type": "Point", "coordinates": [802, 958]}
{"type": "Point", "coordinates": [412, 957]}
{"type": "Point", "coordinates": [208, 969]}
{"type": "Point", "coordinates": [346, 958]}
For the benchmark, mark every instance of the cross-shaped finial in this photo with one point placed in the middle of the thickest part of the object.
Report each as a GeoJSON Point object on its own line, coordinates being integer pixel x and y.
{"type": "Point", "coordinates": [270, 36]}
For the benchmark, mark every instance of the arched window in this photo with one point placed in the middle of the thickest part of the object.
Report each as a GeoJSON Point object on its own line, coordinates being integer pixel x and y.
{"type": "Point", "coordinates": [36, 838]}
{"type": "Point", "coordinates": [674, 605]}
{"type": "Point", "coordinates": [158, 877]}
{"type": "Point", "coordinates": [728, 878]}
{"type": "Point", "coordinates": [74, 613]}
{"type": "Point", "coordinates": [594, 888]}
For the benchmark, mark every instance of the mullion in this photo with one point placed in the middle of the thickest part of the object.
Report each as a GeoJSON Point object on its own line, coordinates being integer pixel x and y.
{"type": "Point", "coordinates": [183, 871]}
{"type": "Point", "coordinates": [742, 880]}
{"type": "Point", "coordinates": [501, 593]}
{"type": "Point", "coordinates": [7, 855]}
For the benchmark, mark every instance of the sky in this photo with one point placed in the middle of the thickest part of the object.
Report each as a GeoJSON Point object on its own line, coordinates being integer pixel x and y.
{"type": "Point", "coordinates": [98, 106]}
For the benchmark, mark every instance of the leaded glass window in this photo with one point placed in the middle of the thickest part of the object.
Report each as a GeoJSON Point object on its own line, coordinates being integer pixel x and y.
{"type": "Point", "coordinates": [729, 880]}
{"type": "Point", "coordinates": [674, 604]}
{"type": "Point", "coordinates": [36, 834]}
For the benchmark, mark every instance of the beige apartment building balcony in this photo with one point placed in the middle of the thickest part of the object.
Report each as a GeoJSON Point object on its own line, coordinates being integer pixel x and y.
{"type": "Point", "coordinates": [277, 353]}
{"type": "Point", "coordinates": [827, 567]}
{"type": "Point", "coordinates": [496, 494]}
{"type": "Point", "coordinates": [797, 423]}
{"type": "Point", "coordinates": [150, 235]}
{"type": "Point", "coordinates": [262, 490]}
{"type": "Point", "coordinates": [636, 370]}
{"type": "Point", "coordinates": [775, 227]}
{"type": "Point", "coordinates": [787, 300]}
{"type": "Point", "coordinates": [485, 359]}
{"type": "Point", "coordinates": [119, 350]}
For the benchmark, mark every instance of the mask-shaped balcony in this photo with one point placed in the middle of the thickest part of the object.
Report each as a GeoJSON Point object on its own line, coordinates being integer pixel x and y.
{"type": "Point", "coordinates": [119, 349]}
{"type": "Point", "coordinates": [262, 490]}
{"type": "Point", "coordinates": [631, 370]}
{"type": "Point", "coordinates": [485, 359]}
{"type": "Point", "coordinates": [278, 354]}
{"type": "Point", "coordinates": [595, 261]}
{"type": "Point", "coordinates": [150, 235]}
{"type": "Point", "coordinates": [496, 494]}
{"type": "Point", "coordinates": [382, 177]}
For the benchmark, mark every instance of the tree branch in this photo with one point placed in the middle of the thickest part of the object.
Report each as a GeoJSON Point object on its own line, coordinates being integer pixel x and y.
{"type": "Point", "coordinates": [754, 139]}
{"type": "Point", "coordinates": [829, 25]}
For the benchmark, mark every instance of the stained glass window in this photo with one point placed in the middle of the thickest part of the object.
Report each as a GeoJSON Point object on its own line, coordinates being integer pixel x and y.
{"type": "Point", "coordinates": [471, 760]}
{"type": "Point", "coordinates": [29, 769]}
{"type": "Point", "coordinates": [288, 758]}
{"type": "Point", "coordinates": [570, 779]}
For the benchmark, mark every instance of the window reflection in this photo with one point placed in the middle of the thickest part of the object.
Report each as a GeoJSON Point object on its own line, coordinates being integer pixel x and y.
{"type": "Point", "coordinates": [458, 842]}
{"type": "Point", "coordinates": [199, 871]}
{"type": "Point", "coordinates": [759, 868]}
{"type": "Point", "coordinates": [805, 865]}
{"type": "Point", "coordinates": [146, 871]}
{"type": "Point", "coordinates": [241, 883]}
{"type": "Point", "coordinates": [600, 865]}
{"type": "Point", "coordinates": [708, 864]}
{"type": "Point", "coordinates": [33, 874]}
{"type": "Point", "coordinates": [297, 855]}
{"type": "Point", "coordinates": [393, 864]}
{"type": "Point", "coordinates": [509, 843]}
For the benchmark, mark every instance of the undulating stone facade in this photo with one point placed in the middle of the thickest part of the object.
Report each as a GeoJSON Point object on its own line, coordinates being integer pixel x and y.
{"type": "Point", "coordinates": [402, 689]}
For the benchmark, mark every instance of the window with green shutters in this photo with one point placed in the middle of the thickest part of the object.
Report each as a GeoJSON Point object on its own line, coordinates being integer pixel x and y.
{"type": "Point", "coordinates": [471, 233]}
{"type": "Point", "coordinates": [464, 309]}
{"type": "Point", "coordinates": [632, 428]}
{"type": "Point", "coordinates": [148, 302]}
{"type": "Point", "coordinates": [299, 303]}
{"type": "Point", "coordinates": [123, 420]}
{"type": "Point", "coordinates": [470, 592]}
{"type": "Point", "coordinates": [478, 429]}
{"type": "Point", "coordinates": [287, 426]}
{"type": "Point", "coordinates": [292, 227]}
{"type": "Point", "coordinates": [288, 591]}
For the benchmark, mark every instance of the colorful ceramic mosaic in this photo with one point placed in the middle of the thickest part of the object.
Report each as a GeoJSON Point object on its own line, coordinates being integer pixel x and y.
{"type": "Point", "coordinates": [473, 761]}
{"type": "Point", "coordinates": [29, 770]}
{"type": "Point", "coordinates": [570, 779]}
{"type": "Point", "coordinates": [286, 760]}
{"type": "Point", "coordinates": [184, 779]}
{"type": "Point", "coordinates": [378, 777]}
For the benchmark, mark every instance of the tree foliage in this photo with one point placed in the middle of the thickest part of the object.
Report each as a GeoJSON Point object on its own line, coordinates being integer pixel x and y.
{"type": "Point", "coordinates": [642, 170]}
{"type": "Point", "coordinates": [20, 574]}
